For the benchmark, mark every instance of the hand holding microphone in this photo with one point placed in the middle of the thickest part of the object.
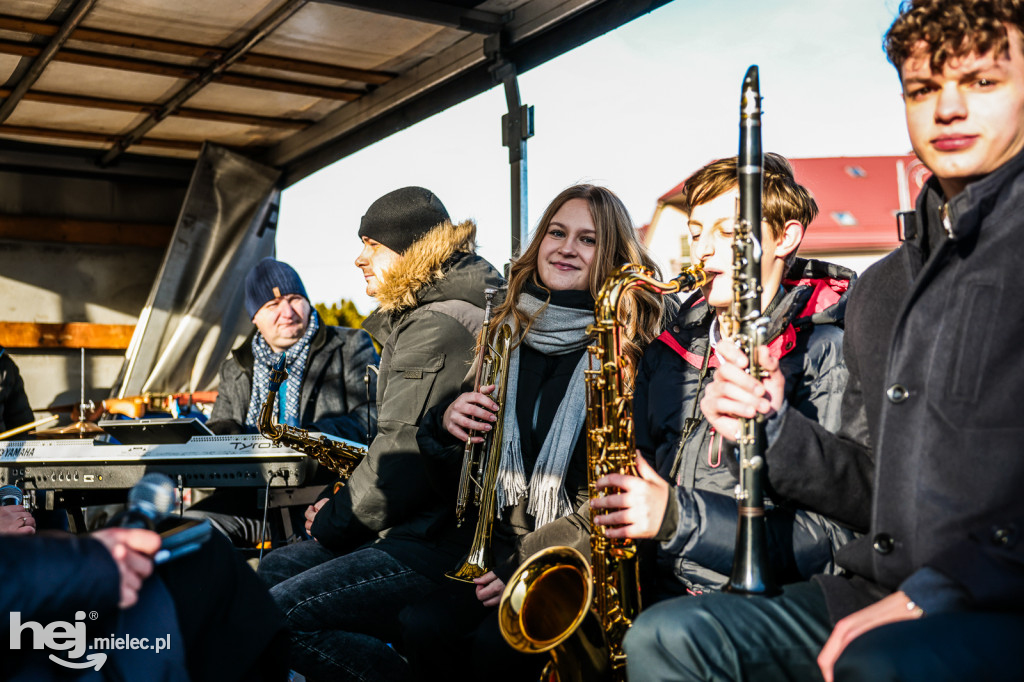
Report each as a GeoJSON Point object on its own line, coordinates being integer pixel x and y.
{"type": "Point", "coordinates": [15, 519]}
{"type": "Point", "coordinates": [131, 538]}
{"type": "Point", "coordinates": [151, 502]}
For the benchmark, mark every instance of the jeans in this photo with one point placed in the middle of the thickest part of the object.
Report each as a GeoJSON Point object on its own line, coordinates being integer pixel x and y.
{"type": "Point", "coordinates": [450, 635]}
{"type": "Point", "coordinates": [946, 647]}
{"type": "Point", "coordinates": [341, 611]}
{"type": "Point", "coordinates": [731, 637]}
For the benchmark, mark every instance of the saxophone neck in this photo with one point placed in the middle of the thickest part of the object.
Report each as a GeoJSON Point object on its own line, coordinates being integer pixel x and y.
{"type": "Point", "coordinates": [267, 424]}
{"type": "Point", "coordinates": [692, 277]}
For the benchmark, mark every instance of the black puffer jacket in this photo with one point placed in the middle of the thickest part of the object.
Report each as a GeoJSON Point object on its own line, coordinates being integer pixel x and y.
{"type": "Point", "coordinates": [333, 396]}
{"type": "Point", "coordinates": [932, 414]}
{"type": "Point", "coordinates": [806, 334]}
{"type": "Point", "coordinates": [431, 309]}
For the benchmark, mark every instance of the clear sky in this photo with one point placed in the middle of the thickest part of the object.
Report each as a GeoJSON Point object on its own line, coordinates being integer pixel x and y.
{"type": "Point", "coordinates": [636, 110]}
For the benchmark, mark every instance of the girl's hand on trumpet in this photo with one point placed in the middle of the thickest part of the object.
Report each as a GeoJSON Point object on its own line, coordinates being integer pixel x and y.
{"type": "Point", "coordinates": [489, 588]}
{"type": "Point", "coordinates": [472, 411]}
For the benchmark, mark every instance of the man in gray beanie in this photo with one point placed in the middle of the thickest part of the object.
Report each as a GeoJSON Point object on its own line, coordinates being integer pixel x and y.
{"type": "Point", "coordinates": [325, 390]}
{"type": "Point", "coordinates": [342, 594]}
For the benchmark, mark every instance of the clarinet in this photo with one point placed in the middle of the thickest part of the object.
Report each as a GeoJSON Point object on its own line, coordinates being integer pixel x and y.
{"type": "Point", "coordinates": [748, 328]}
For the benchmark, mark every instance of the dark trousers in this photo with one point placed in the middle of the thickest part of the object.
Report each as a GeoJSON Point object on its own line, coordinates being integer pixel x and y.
{"type": "Point", "coordinates": [450, 635]}
{"type": "Point", "coordinates": [342, 611]}
{"type": "Point", "coordinates": [230, 628]}
{"type": "Point", "coordinates": [729, 637]}
{"type": "Point", "coordinates": [952, 647]}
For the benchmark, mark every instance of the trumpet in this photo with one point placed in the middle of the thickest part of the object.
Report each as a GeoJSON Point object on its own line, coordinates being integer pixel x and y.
{"type": "Point", "coordinates": [480, 559]}
{"type": "Point", "coordinates": [556, 602]}
{"type": "Point", "coordinates": [337, 456]}
{"type": "Point", "coordinates": [471, 453]}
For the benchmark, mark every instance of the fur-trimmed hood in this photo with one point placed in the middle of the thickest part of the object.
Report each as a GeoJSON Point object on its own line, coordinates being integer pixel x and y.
{"type": "Point", "coordinates": [422, 266]}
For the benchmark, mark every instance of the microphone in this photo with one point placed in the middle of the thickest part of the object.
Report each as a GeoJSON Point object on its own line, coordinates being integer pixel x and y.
{"type": "Point", "coordinates": [151, 499]}
{"type": "Point", "coordinates": [11, 495]}
{"type": "Point", "coordinates": [150, 502]}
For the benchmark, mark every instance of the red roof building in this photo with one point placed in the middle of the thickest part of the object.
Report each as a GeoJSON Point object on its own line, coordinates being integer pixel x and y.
{"type": "Point", "coordinates": [858, 199]}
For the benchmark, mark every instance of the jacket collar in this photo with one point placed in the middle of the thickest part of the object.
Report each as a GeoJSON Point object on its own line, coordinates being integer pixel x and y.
{"type": "Point", "coordinates": [967, 209]}
{"type": "Point", "coordinates": [815, 292]}
{"type": "Point", "coordinates": [424, 266]}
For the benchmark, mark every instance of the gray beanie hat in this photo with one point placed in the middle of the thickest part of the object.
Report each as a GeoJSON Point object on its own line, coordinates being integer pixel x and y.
{"type": "Point", "coordinates": [399, 218]}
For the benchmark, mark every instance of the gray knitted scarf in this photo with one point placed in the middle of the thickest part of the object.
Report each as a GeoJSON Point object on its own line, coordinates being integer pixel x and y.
{"type": "Point", "coordinates": [556, 331]}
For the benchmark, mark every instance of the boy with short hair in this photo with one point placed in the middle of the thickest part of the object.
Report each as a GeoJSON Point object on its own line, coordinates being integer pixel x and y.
{"type": "Point", "coordinates": [695, 517]}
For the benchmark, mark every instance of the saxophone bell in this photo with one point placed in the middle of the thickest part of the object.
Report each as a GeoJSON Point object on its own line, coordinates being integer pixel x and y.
{"type": "Point", "coordinates": [546, 608]}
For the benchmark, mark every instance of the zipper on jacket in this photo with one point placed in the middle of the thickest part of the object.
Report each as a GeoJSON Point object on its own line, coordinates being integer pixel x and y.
{"type": "Point", "coordinates": [947, 224]}
{"type": "Point", "coordinates": [691, 422]}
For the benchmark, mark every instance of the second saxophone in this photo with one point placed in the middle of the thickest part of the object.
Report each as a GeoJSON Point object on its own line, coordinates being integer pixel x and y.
{"type": "Point", "coordinates": [338, 456]}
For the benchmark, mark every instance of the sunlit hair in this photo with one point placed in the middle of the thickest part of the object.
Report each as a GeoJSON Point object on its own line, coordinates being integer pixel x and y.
{"type": "Point", "coordinates": [783, 198]}
{"type": "Point", "coordinates": [951, 28]}
{"type": "Point", "coordinates": [617, 243]}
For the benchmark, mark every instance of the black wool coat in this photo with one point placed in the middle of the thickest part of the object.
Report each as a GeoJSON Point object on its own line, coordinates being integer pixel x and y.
{"type": "Point", "coordinates": [931, 417]}
{"type": "Point", "coordinates": [14, 407]}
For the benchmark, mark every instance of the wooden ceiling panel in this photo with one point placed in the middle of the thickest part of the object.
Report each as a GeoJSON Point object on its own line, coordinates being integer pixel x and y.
{"type": "Point", "coordinates": [229, 134]}
{"type": "Point", "coordinates": [247, 100]}
{"type": "Point", "coordinates": [78, 79]}
{"type": "Point", "coordinates": [339, 35]}
{"type": "Point", "coordinates": [210, 22]}
{"type": "Point", "coordinates": [32, 9]}
{"type": "Point", "coordinates": [46, 115]}
{"type": "Point", "coordinates": [8, 63]}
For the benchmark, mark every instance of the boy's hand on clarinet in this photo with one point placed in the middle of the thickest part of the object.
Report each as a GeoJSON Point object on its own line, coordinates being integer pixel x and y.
{"type": "Point", "coordinates": [734, 394]}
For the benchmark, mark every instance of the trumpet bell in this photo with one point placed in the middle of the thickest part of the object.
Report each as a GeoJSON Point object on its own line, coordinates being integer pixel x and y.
{"type": "Point", "coordinates": [476, 563]}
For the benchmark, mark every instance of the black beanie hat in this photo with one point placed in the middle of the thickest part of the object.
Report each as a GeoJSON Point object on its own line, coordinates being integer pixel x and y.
{"type": "Point", "coordinates": [269, 280]}
{"type": "Point", "coordinates": [399, 218]}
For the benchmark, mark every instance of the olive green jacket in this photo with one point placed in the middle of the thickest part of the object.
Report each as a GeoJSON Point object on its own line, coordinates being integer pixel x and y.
{"type": "Point", "coordinates": [430, 313]}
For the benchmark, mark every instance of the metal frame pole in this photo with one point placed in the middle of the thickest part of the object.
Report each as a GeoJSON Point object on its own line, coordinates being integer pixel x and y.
{"type": "Point", "coordinates": [516, 129]}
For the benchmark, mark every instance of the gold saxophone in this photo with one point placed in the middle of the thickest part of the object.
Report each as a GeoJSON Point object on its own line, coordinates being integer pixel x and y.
{"type": "Point", "coordinates": [557, 602]}
{"type": "Point", "coordinates": [337, 456]}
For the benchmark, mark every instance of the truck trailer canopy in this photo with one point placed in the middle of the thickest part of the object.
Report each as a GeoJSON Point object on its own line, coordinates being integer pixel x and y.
{"type": "Point", "coordinates": [106, 106]}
